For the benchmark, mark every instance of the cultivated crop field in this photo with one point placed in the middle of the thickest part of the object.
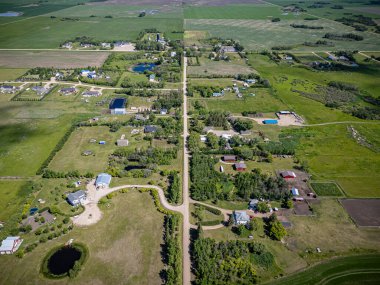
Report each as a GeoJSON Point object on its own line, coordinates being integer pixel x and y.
{"type": "Point", "coordinates": [58, 59]}
{"type": "Point", "coordinates": [326, 189]}
{"type": "Point", "coordinates": [364, 212]}
{"type": "Point", "coordinates": [256, 34]}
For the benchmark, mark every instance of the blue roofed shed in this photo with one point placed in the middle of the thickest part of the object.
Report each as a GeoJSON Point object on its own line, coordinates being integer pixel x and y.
{"type": "Point", "coordinates": [103, 180]}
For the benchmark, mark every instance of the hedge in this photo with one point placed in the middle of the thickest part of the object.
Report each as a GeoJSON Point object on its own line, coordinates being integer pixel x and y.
{"type": "Point", "coordinates": [211, 223]}
{"type": "Point", "coordinates": [210, 209]}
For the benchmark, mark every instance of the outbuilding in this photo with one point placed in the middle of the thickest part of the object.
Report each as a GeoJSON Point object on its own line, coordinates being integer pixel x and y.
{"type": "Point", "coordinates": [117, 106]}
{"type": "Point", "coordinates": [240, 166]}
{"type": "Point", "coordinates": [10, 245]}
{"type": "Point", "coordinates": [295, 191]}
{"type": "Point", "coordinates": [229, 158]}
{"type": "Point", "coordinates": [103, 180]}
{"type": "Point", "coordinates": [150, 129]}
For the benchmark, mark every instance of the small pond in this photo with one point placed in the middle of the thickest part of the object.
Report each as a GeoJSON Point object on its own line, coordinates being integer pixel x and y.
{"type": "Point", "coordinates": [63, 260]}
{"type": "Point", "coordinates": [10, 14]}
{"type": "Point", "coordinates": [133, 167]}
{"type": "Point", "coordinates": [142, 67]}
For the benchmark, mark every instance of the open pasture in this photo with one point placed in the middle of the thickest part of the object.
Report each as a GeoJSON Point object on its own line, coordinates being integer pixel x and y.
{"type": "Point", "coordinates": [333, 155]}
{"type": "Point", "coordinates": [263, 101]}
{"type": "Point", "coordinates": [207, 66]}
{"type": "Point", "coordinates": [130, 255]}
{"type": "Point", "coordinates": [25, 144]}
{"type": "Point", "coordinates": [46, 32]}
{"type": "Point", "coordinates": [364, 212]}
{"type": "Point", "coordinates": [326, 189]}
{"type": "Point", "coordinates": [58, 59]}
{"type": "Point", "coordinates": [255, 34]}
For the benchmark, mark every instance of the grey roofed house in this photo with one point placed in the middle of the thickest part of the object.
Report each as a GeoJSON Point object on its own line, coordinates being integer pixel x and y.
{"type": "Point", "coordinates": [150, 129]}
{"type": "Point", "coordinates": [40, 90]}
{"type": "Point", "coordinates": [68, 90]}
{"type": "Point", "coordinates": [122, 142]}
{"type": "Point", "coordinates": [140, 117]}
{"type": "Point", "coordinates": [240, 166]}
{"type": "Point", "coordinates": [253, 203]}
{"type": "Point", "coordinates": [241, 217]}
{"type": "Point", "coordinates": [76, 198]}
{"type": "Point", "coordinates": [90, 93]}
{"type": "Point", "coordinates": [229, 157]}
{"type": "Point", "coordinates": [227, 49]}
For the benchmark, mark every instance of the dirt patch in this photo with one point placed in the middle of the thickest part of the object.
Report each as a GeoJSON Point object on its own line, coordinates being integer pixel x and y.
{"type": "Point", "coordinates": [58, 59]}
{"type": "Point", "coordinates": [301, 208]}
{"type": "Point", "coordinates": [364, 212]}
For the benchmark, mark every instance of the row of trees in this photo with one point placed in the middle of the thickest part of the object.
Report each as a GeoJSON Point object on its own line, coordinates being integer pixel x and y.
{"type": "Point", "coordinates": [174, 189]}
{"type": "Point", "coordinates": [172, 250]}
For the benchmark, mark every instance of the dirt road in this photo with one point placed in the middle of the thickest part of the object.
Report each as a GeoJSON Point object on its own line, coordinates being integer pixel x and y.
{"type": "Point", "coordinates": [185, 183]}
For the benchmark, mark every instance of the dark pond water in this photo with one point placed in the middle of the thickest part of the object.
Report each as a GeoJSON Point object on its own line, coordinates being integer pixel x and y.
{"type": "Point", "coordinates": [141, 67]}
{"type": "Point", "coordinates": [63, 260]}
{"type": "Point", "coordinates": [133, 167]}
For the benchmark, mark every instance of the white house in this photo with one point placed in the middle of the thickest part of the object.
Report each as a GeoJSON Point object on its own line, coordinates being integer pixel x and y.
{"type": "Point", "coordinates": [241, 217]}
{"type": "Point", "coordinates": [76, 198]}
{"type": "Point", "coordinates": [103, 180]}
{"type": "Point", "coordinates": [10, 245]}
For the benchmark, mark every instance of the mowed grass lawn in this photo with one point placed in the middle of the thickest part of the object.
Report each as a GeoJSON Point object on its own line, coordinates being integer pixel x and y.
{"type": "Point", "coordinates": [262, 102]}
{"type": "Point", "coordinates": [350, 270]}
{"type": "Point", "coordinates": [70, 157]}
{"type": "Point", "coordinates": [124, 247]}
{"type": "Point", "coordinates": [333, 155]}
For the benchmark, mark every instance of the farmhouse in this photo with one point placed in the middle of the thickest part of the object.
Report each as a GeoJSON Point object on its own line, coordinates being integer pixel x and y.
{"type": "Point", "coordinates": [68, 90]}
{"type": "Point", "coordinates": [76, 198]}
{"type": "Point", "coordinates": [105, 45]}
{"type": "Point", "coordinates": [218, 94]}
{"type": "Point", "coordinates": [229, 158]}
{"type": "Point", "coordinates": [10, 245]}
{"type": "Point", "coordinates": [91, 93]}
{"type": "Point", "coordinates": [163, 111]}
{"type": "Point", "coordinates": [117, 106]}
{"type": "Point", "coordinates": [227, 49]}
{"type": "Point", "coordinates": [152, 77]}
{"type": "Point", "coordinates": [150, 129]}
{"type": "Point", "coordinates": [68, 45]}
{"type": "Point", "coordinates": [241, 218]}
{"type": "Point", "coordinates": [7, 89]}
{"type": "Point", "coordinates": [288, 174]}
{"type": "Point", "coordinates": [40, 90]}
{"type": "Point", "coordinates": [240, 166]}
{"type": "Point", "coordinates": [103, 180]}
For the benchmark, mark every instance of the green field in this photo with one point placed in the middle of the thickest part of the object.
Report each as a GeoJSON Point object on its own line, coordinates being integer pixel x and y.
{"type": "Point", "coordinates": [12, 195]}
{"type": "Point", "coordinates": [360, 269]}
{"type": "Point", "coordinates": [120, 239]}
{"type": "Point", "coordinates": [70, 157]}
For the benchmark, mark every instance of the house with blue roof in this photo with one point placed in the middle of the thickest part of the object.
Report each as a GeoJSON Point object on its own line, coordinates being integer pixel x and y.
{"type": "Point", "coordinates": [117, 106]}
{"type": "Point", "coordinates": [103, 180]}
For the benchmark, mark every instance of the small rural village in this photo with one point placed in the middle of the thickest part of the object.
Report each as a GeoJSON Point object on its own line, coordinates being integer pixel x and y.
{"type": "Point", "coordinates": [189, 142]}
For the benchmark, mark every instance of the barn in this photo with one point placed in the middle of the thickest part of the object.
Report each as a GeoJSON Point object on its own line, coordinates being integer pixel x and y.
{"type": "Point", "coordinates": [240, 166]}
{"type": "Point", "coordinates": [229, 158]}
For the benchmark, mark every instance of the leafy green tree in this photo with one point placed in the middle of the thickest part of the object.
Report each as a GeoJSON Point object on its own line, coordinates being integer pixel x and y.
{"type": "Point", "coordinates": [212, 140]}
